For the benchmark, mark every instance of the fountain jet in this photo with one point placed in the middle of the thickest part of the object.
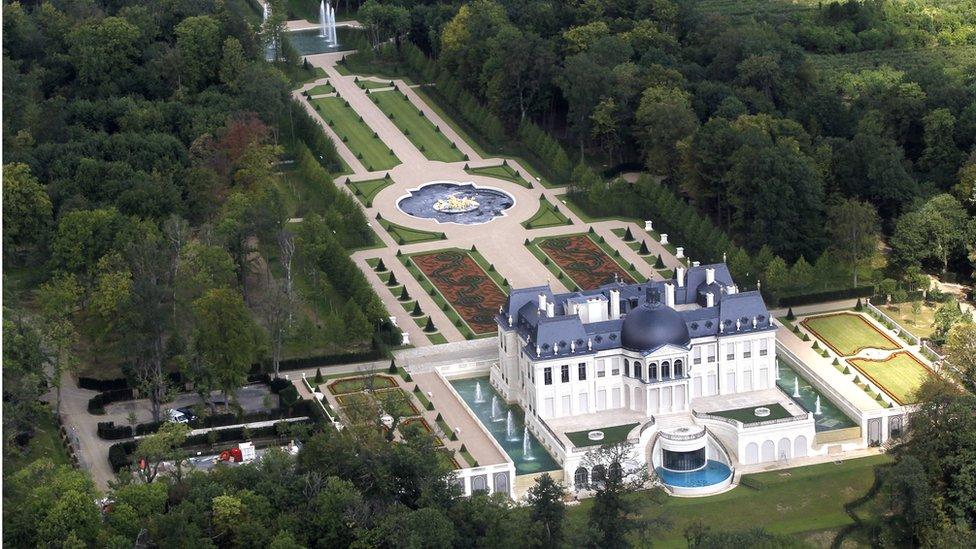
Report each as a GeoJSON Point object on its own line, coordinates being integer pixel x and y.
{"type": "Point", "coordinates": [510, 428]}
{"type": "Point", "coordinates": [796, 387]}
{"type": "Point", "coordinates": [264, 16]}
{"type": "Point", "coordinates": [818, 411]}
{"type": "Point", "coordinates": [478, 396]}
{"type": "Point", "coordinates": [496, 410]}
{"type": "Point", "coordinates": [327, 23]}
{"type": "Point", "coordinates": [527, 445]}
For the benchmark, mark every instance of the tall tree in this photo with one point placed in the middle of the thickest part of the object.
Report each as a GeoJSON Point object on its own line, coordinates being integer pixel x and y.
{"type": "Point", "coordinates": [664, 118]}
{"type": "Point", "coordinates": [59, 299]}
{"type": "Point", "coordinates": [854, 229]}
{"type": "Point", "coordinates": [26, 209]}
{"type": "Point", "coordinates": [548, 511]}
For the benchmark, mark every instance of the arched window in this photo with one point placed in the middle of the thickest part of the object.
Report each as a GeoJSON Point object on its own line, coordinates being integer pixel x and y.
{"type": "Point", "coordinates": [599, 475]}
{"type": "Point", "coordinates": [616, 472]}
{"type": "Point", "coordinates": [638, 370]}
{"type": "Point", "coordinates": [665, 370]}
{"type": "Point", "coordinates": [679, 368]}
{"type": "Point", "coordinates": [652, 371]}
{"type": "Point", "coordinates": [581, 478]}
{"type": "Point", "coordinates": [626, 368]}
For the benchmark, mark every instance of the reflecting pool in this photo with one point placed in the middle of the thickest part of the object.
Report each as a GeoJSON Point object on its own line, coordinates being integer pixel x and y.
{"type": "Point", "coordinates": [831, 417]}
{"type": "Point", "coordinates": [506, 424]}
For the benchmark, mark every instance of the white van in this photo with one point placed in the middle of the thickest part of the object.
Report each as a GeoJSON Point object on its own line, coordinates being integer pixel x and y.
{"type": "Point", "coordinates": [177, 416]}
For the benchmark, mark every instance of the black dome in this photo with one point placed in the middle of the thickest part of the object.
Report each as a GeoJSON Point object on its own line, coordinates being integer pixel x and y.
{"type": "Point", "coordinates": [651, 325]}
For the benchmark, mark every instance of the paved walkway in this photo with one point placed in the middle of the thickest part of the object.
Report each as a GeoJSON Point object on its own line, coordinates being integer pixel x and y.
{"type": "Point", "coordinates": [500, 241]}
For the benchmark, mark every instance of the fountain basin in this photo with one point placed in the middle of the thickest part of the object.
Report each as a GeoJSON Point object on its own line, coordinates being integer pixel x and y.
{"type": "Point", "coordinates": [595, 435]}
{"type": "Point", "coordinates": [762, 411]}
{"type": "Point", "coordinates": [453, 202]}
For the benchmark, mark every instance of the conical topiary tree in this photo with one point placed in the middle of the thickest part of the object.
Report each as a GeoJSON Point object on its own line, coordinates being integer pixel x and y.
{"type": "Point", "coordinates": [430, 325]}
{"type": "Point", "coordinates": [659, 263]}
{"type": "Point", "coordinates": [858, 306]}
{"type": "Point", "coordinates": [416, 309]}
{"type": "Point", "coordinates": [643, 249]}
{"type": "Point", "coordinates": [790, 315]}
{"type": "Point", "coordinates": [404, 294]}
{"type": "Point", "coordinates": [392, 280]}
{"type": "Point", "coordinates": [318, 376]}
{"type": "Point", "coordinates": [380, 266]}
{"type": "Point", "coordinates": [628, 236]}
{"type": "Point", "coordinates": [392, 368]}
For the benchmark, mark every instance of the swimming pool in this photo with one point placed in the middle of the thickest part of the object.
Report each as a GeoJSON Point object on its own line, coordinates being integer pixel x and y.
{"type": "Point", "coordinates": [714, 472]}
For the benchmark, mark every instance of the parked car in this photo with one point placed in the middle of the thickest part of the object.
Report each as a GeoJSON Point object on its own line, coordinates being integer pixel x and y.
{"type": "Point", "coordinates": [188, 412]}
{"type": "Point", "coordinates": [176, 416]}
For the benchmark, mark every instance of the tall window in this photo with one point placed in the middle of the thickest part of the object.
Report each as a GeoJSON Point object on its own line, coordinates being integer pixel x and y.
{"type": "Point", "coordinates": [638, 370]}
{"type": "Point", "coordinates": [547, 376]}
{"type": "Point", "coordinates": [730, 351]}
{"type": "Point", "coordinates": [652, 371]}
{"type": "Point", "coordinates": [763, 347]}
{"type": "Point", "coordinates": [665, 370]}
{"type": "Point", "coordinates": [601, 368]}
{"type": "Point", "coordinates": [710, 350]}
{"type": "Point", "coordinates": [615, 366]}
{"type": "Point", "coordinates": [679, 368]}
{"type": "Point", "coordinates": [746, 349]}
{"type": "Point", "coordinates": [582, 371]}
{"type": "Point", "coordinates": [564, 373]}
{"type": "Point", "coordinates": [627, 367]}
{"type": "Point", "coordinates": [696, 355]}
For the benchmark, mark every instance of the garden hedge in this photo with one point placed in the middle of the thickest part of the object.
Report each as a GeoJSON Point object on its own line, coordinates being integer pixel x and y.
{"type": "Point", "coordinates": [96, 404]}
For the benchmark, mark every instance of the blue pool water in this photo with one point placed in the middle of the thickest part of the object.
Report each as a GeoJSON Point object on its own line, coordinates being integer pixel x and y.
{"type": "Point", "coordinates": [538, 459]}
{"type": "Point", "coordinates": [830, 418]}
{"type": "Point", "coordinates": [714, 472]}
{"type": "Point", "coordinates": [491, 202]}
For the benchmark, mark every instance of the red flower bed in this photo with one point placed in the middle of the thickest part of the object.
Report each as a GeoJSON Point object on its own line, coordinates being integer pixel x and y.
{"type": "Point", "coordinates": [465, 285]}
{"type": "Point", "coordinates": [585, 262]}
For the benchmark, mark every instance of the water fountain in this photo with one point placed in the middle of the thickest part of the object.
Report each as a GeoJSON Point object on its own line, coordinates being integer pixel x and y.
{"type": "Point", "coordinates": [327, 23]}
{"type": "Point", "coordinates": [478, 396]}
{"type": "Point", "coordinates": [496, 409]}
{"type": "Point", "coordinates": [527, 445]}
{"type": "Point", "coordinates": [264, 16]}
{"type": "Point", "coordinates": [454, 202]}
{"type": "Point", "coordinates": [796, 387]}
{"type": "Point", "coordinates": [818, 411]}
{"type": "Point", "coordinates": [510, 427]}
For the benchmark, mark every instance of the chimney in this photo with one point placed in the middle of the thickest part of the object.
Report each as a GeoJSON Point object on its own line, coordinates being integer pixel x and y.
{"type": "Point", "coordinates": [614, 304]}
{"type": "Point", "coordinates": [709, 275]}
{"type": "Point", "coordinates": [680, 274]}
{"type": "Point", "coordinates": [550, 310]}
{"type": "Point", "coordinates": [669, 294]}
{"type": "Point", "coordinates": [709, 299]}
{"type": "Point", "coordinates": [542, 302]}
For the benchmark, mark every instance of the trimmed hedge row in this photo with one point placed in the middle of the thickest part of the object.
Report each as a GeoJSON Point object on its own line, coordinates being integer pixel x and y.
{"type": "Point", "coordinates": [96, 404]}
{"type": "Point", "coordinates": [318, 361]}
{"type": "Point", "coordinates": [830, 295]}
{"type": "Point", "coordinates": [108, 430]}
{"type": "Point", "coordinates": [551, 153]}
{"type": "Point", "coordinates": [299, 409]}
{"type": "Point", "coordinates": [102, 385]}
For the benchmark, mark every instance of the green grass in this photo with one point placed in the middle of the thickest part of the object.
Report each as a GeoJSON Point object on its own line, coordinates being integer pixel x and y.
{"type": "Point", "coordinates": [421, 131]}
{"type": "Point", "coordinates": [748, 415]}
{"type": "Point", "coordinates": [436, 338]}
{"type": "Point", "coordinates": [321, 89]}
{"type": "Point", "coordinates": [357, 135]}
{"type": "Point", "coordinates": [900, 375]}
{"type": "Point", "coordinates": [46, 443]}
{"type": "Point", "coordinates": [547, 216]}
{"type": "Point", "coordinates": [611, 435]}
{"type": "Point", "coordinates": [365, 191]}
{"type": "Point", "coordinates": [405, 235]}
{"type": "Point", "coordinates": [847, 333]}
{"type": "Point", "coordinates": [489, 268]}
{"type": "Point", "coordinates": [501, 171]}
{"type": "Point", "coordinates": [793, 501]}
{"type": "Point", "coordinates": [371, 85]}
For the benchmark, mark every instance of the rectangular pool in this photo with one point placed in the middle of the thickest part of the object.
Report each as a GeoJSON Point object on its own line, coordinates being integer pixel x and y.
{"type": "Point", "coordinates": [831, 417]}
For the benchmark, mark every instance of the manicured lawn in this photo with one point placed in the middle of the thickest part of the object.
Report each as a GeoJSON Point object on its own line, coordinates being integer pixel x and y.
{"type": "Point", "coordinates": [406, 235]}
{"type": "Point", "coordinates": [900, 375]}
{"type": "Point", "coordinates": [371, 151]}
{"type": "Point", "coordinates": [848, 333]}
{"type": "Point", "coordinates": [321, 89]}
{"type": "Point", "coordinates": [921, 325]}
{"type": "Point", "coordinates": [356, 384]}
{"type": "Point", "coordinates": [366, 190]}
{"type": "Point", "coordinates": [792, 501]}
{"type": "Point", "coordinates": [547, 216]}
{"type": "Point", "coordinates": [501, 171]}
{"type": "Point", "coordinates": [421, 132]}
{"type": "Point", "coordinates": [370, 85]}
{"type": "Point", "coordinates": [611, 435]}
{"type": "Point", "coordinates": [748, 415]}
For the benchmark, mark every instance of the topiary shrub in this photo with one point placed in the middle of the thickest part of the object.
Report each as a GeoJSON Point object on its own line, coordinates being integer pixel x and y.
{"type": "Point", "coordinates": [790, 315]}
{"type": "Point", "coordinates": [318, 376]}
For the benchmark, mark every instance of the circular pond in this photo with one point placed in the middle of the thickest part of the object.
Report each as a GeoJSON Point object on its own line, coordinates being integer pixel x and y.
{"type": "Point", "coordinates": [451, 202]}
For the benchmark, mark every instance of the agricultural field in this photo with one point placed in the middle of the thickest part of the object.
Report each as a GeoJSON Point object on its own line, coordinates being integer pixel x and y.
{"type": "Point", "coordinates": [356, 134]}
{"type": "Point", "coordinates": [900, 375]}
{"type": "Point", "coordinates": [848, 333]}
{"type": "Point", "coordinates": [419, 130]}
